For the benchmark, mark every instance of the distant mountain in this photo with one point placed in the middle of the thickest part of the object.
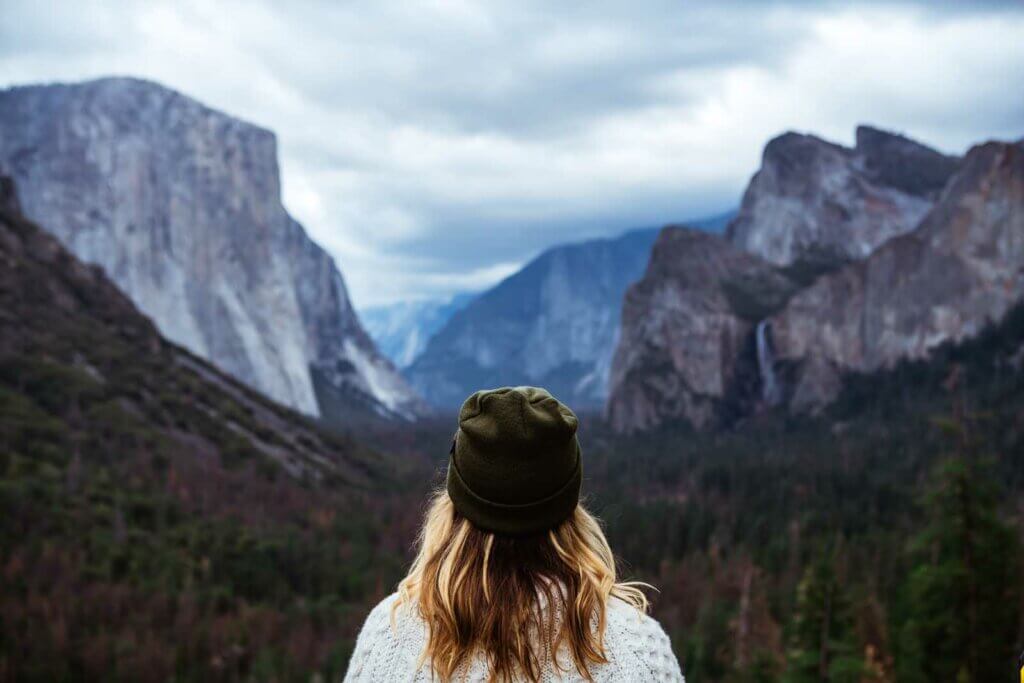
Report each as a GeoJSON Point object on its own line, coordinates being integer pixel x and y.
{"type": "Point", "coordinates": [959, 271]}
{"type": "Point", "coordinates": [815, 204]}
{"type": "Point", "coordinates": [402, 330]}
{"type": "Point", "coordinates": [553, 323]}
{"type": "Point", "coordinates": [181, 206]}
{"type": "Point", "coordinates": [855, 260]}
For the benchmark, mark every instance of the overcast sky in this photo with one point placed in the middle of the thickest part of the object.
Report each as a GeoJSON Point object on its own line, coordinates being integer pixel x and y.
{"type": "Point", "coordinates": [435, 146]}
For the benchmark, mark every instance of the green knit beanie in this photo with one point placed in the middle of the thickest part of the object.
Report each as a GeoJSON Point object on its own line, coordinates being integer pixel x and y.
{"type": "Point", "coordinates": [515, 466]}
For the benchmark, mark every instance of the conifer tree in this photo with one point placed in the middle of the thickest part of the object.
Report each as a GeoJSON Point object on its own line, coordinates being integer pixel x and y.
{"type": "Point", "coordinates": [965, 591]}
{"type": "Point", "coordinates": [822, 647]}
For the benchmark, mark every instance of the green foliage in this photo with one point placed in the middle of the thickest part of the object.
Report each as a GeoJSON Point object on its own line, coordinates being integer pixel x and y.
{"type": "Point", "coordinates": [965, 592]}
{"type": "Point", "coordinates": [823, 645]}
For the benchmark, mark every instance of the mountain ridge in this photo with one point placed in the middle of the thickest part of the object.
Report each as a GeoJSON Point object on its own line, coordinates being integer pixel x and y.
{"type": "Point", "coordinates": [889, 293]}
{"type": "Point", "coordinates": [816, 202]}
{"type": "Point", "coordinates": [180, 204]}
{"type": "Point", "coordinates": [553, 322]}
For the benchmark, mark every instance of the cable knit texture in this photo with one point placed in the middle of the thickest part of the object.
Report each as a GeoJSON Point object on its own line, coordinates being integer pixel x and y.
{"type": "Point", "coordinates": [636, 646]}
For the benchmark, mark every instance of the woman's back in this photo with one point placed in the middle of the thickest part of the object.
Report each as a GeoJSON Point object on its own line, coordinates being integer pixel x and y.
{"type": "Point", "coordinates": [636, 647]}
{"type": "Point", "coordinates": [511, 568]}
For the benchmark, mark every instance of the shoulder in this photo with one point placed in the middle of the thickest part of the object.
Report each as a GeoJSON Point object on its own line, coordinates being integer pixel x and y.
{"type": "Point", "coordinates": [378, 621]}
{"type": "Point", "coordinates": [385, 643]}
{"type": "Point", "coordinates": [382, 611]}
{"type": "Point", "coordinates": [637, 640]}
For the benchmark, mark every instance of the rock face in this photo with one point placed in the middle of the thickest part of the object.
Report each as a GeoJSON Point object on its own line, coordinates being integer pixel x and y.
{"type": "Point", "coordinates": [687, 342]}
{"type": "Point", "coordinates": [962, 268]}
{"type": "Point", "coordinates": [402, 330]}
{"type": "Point", "coordinates": [814, 204]}
{"type": "Point", "coordinates": [181, 206]}
{"type": "Point", "coordinates": [65, 321]}
{"type": "Point", "coordinates": [880, 253]}
{"type": "Point", "coordinates": [553, 323]}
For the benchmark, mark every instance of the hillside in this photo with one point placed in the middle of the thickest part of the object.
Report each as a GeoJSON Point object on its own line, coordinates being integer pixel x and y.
{"type": "Point", "coordinates": [181, 206]}
{"type": "Point", "coordinates": [158, 517]}
{"type": "Point", "coordinates": [868, 510]}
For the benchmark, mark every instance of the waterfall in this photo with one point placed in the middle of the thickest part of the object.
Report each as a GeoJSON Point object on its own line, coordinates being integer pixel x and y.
{"type": "Point", "coordinates": [769, 387]}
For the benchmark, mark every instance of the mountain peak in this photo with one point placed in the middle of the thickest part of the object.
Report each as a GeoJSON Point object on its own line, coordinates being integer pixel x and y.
{"type": "Point", "coordinates": [817, 202]}
{"type": "Point", "coordinates": [180, 205]}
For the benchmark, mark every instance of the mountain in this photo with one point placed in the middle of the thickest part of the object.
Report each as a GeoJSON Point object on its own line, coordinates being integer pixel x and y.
{"type": "Point", "coordinates": [554, 323]}
{"type": "Point", "coordinates": [697, 348]}
{"type": "Point", "coordinates": [815, 204]}
{"type": "Point", "coordinates": [686, 328]}
{"type": "Point", "coordinates": [147, 498]}
{"type": "Point", "coordinates": [79, 348]}
{"type": "Point", "coordinates": [960, 270]}
{"type": "Point", "coordinates": [402, 330]}
{"type": "Point", "coordinates": [181, 206]}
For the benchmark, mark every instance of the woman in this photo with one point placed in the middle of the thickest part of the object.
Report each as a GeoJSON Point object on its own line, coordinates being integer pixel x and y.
{"type": "Point", "coordinates": [514, 580]}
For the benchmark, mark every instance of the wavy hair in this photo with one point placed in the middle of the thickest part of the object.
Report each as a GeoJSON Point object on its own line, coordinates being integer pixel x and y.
{"type": "Point", "coordinates": [522, 602]}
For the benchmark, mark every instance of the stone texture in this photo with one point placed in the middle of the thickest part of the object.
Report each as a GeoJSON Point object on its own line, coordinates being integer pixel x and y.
{"type": "Point", "coordinates": [961, 269]}
{"type": "Point", "coordinates": [814, 204]}
{"type": "Point", "coordinates": [181, 206]}
{"type": "Point", "coordinates": [685, 326]}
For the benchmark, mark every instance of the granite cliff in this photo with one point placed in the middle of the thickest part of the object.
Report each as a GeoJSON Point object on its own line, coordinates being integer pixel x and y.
{"type": "Point", "coordinates": [181, 206]}
{"type": "Point", "coordinates": [960, 270]}
{"type": "Point", "coordinates": [687, 327]}
{"type": "Point", "coordinates": [814, 204]}
{"type": "Point", "coordinates": [860, 258]}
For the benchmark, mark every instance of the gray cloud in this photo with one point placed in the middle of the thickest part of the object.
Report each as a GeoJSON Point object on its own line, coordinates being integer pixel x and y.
{"type": "Point", "coordinates": [435, 148]}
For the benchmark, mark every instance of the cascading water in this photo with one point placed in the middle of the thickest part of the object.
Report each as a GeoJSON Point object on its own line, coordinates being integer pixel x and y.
{"type": "Point", "coordinates": [769, 386]}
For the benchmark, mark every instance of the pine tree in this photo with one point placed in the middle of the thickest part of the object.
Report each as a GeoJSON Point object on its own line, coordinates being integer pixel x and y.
{"type": "Point", "coordinates": [965, 591]}
{"type": "Point", "coordinates": [822, 647]}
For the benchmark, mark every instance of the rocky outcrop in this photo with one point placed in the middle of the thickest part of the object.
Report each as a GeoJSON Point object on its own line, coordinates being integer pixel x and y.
{"type": "Point", "coordinates": [961, 269]}
{"type": "Point", "coordinates": [554, 323]}
{"type": "Point", "coordinates": [880, 253]}
{"type": "Point", "coordinates": [686, 349]}
{"type": "Point", "coordinates": [814, 205]}
{"type": "Point", "coordinates": [180, 205]}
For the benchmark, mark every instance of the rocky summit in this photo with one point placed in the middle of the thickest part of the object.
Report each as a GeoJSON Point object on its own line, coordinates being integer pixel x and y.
{"type": "Point", "coordinates": [815, 204]}
{"type": "Point", "coordinates": [960, 270]}
{"type": "Point", "coordinates": [852, 260]}
{"type": "Point", "coordinates": [181, 206]}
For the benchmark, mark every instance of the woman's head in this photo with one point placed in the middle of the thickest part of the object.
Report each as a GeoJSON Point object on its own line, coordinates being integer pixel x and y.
{"type": "Point", "coordinates": [509, 564]}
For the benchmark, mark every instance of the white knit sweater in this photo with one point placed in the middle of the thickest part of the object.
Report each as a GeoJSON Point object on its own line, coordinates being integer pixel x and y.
{"type": "Point", "coordinates": [636, 646]}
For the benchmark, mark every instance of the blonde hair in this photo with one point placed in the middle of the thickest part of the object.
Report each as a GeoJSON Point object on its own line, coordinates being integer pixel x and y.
{"type": "Point", "coordinates": [519, 601]}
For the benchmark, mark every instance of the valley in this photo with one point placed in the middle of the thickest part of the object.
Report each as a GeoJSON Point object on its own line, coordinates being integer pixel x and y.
{"type": "Point", "coordinates": [803, 420]}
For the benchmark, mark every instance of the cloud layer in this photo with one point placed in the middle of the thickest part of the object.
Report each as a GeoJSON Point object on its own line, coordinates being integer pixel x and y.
{"type": "Point", "coordinates": [435, 149]}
